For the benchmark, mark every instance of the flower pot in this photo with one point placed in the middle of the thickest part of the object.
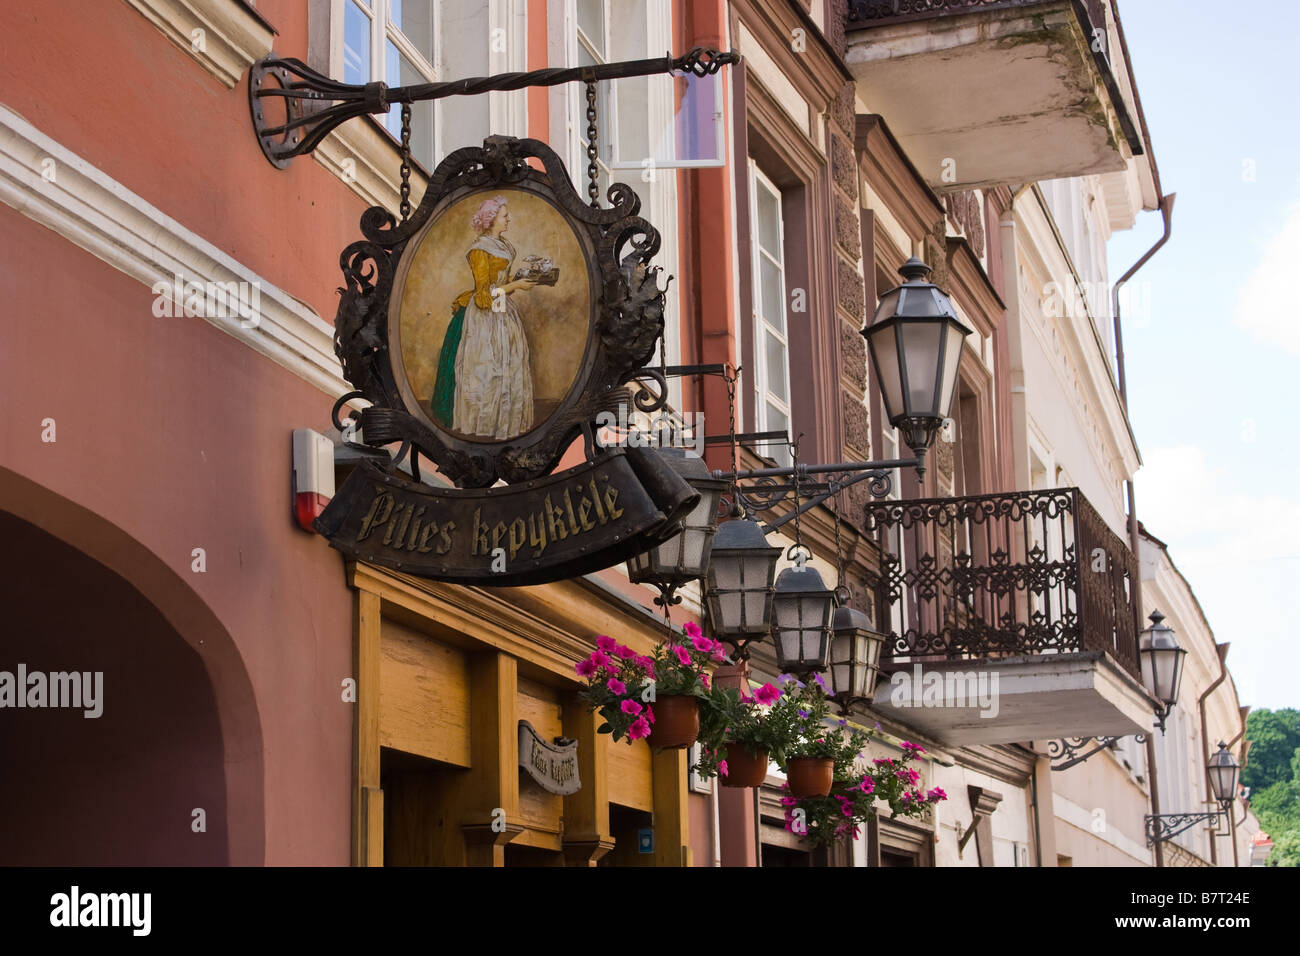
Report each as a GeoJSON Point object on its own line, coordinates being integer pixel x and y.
{"type": "Point", "coordinates": [743, 768]}
{"type": "Point", "coordinates": [810, 776]}
{"type": "Point", "coordinates": [677, 722]}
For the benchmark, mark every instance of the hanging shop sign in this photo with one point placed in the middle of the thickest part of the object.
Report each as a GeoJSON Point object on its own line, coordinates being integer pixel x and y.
{"type": "Point", "coordinates": [489, 332]}
{"type": "Point", "coordinates": [553, 766]}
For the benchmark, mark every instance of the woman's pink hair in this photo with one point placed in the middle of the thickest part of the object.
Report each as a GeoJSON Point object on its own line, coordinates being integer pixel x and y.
{"type": "Point", "coordinates": [487, 213]}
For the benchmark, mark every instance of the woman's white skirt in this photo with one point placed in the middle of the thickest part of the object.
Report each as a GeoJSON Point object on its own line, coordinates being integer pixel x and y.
{"type": "Point", "coordinates": [494, 378]}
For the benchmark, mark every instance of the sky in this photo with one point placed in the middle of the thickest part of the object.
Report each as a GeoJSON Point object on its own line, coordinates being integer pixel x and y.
{"type": "Point", "coordinates": [1212, 344]}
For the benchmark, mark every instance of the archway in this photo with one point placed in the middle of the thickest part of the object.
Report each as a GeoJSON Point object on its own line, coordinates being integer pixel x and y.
{"type": "Point", "coordinates": [176, 731]}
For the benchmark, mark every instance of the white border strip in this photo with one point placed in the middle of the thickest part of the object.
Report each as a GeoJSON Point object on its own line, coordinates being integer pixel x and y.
{"type": "Point", "coordinates": [50, 184]}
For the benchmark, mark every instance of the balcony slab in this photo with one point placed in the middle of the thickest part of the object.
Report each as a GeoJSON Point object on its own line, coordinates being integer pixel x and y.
{"type": "Point", "coordinates": [1008, 94]}
{"type": "Point", "coordinates": [1011, 699]}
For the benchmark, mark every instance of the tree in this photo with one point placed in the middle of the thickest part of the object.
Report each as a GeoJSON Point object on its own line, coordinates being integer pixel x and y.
{"type": "Point", "coordinates": [1274, 737]}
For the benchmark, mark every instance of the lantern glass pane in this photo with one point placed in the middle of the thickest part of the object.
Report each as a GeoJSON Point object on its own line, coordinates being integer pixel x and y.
{"type": "Point", "coordinates": [1166, 662]}
{"type": "Point", "coordinates": [786, 609]}
{"type": "Point", "coordinates": [884, 349]}
{"type": "Point", "coordinates": [724, 571]}
{"type": "Point", "coordinates": [693, 540]}
{"type": "Point", "coordinates": [874, 645]}
{"type": "Point", "coordinates": [1221, 780]}
{"type": "Point", "coordinates": [639, 563]}
{"type": "Point", "coordinates": [842, 678]}
{"type": "Point", "coordinates": [921, 353]}
{"type": "Point", "coordinates": [951, 359]}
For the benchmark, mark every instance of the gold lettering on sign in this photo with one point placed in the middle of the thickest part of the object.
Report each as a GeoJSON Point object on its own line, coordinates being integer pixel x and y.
{"type": "Point", "coordinates": [379, 511]}
{"type": "Point", "coordinates": [423, 526]}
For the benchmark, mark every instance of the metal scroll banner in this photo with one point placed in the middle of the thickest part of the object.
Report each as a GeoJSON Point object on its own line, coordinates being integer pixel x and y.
{"type": "Point", "coordinates": [488, 332]}
{"type": "Point", "coordinates": [553, 766]}
{"type": "Point", "coordinates": [566, 524]}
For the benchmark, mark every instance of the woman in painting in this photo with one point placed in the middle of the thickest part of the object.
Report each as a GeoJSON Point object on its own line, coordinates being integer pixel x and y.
{"type": "Point", "coordinates": [484, 386]}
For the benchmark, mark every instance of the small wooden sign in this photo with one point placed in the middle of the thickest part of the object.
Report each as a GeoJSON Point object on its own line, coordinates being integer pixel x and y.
{"type": "Point", "coordinates": [553, 766]}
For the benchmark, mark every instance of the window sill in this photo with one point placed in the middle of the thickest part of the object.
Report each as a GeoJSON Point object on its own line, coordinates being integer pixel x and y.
{"type": "Point", "coordinates": [368, 161]}
{"type": "Point", "coordinates": [232, 37]}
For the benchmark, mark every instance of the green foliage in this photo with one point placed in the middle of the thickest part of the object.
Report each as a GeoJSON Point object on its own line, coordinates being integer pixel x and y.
{"type": "Point", "coordinates": [856, 794]}
{"type": "Point", "coordinates": [1273, 774]}
{"type": "Point", "coordinates": [1274, 737]}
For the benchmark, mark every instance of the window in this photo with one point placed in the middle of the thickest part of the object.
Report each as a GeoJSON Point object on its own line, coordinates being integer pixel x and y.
{"type": "Point", "coordinates": [644, 123]}
{"type": "Point", "coordinates": [407, 42]}
{"type": "Point", "coordinates": [603, 31]}
{"type": "Point", "coordinates": [771, 342]}
{"type": "Point", "coordinates": [394, 41]}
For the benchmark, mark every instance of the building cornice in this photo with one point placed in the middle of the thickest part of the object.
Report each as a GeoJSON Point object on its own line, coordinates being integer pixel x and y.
{"type": "Point", "coordinates": [224, 36]}
{"type": "Point", "coordinates": [96, 212]}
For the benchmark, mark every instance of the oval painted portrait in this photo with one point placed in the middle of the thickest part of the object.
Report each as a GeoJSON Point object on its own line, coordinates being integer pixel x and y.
{"type": "Point", "coordinates": [491, 315]}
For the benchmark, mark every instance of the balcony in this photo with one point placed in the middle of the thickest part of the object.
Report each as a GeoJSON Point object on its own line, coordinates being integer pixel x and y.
{"type": "Point", "coordinates": [1009, 617]}
{"type": "Point", "coordinates": [985, 92]}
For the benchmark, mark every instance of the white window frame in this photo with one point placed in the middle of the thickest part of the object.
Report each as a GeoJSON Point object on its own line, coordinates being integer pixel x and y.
{"type": "Point", "coordinates": [656, 27]}
{"type": "Point", "coordinates": [380, 11]}
{"type": "Point", "coordinates": [568, 137]}
{"type": "Point", "coordinates": [508, 111]}
{"type": "Point", "coordinates": [762, 328]}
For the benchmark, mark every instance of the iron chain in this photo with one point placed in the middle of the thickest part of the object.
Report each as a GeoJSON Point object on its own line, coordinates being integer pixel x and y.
{"type": "Point", "coordinates": [406, 162]}
{"type": "Point", "coordinates": [593, 172]}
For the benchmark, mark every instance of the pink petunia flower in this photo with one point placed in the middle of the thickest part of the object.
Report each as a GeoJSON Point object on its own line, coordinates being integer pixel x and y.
{"type": "Point", "coordinates": [638, 729]}
{"type": "Point", "coordinates": [722, 767]}
{"type": "Point", "coordinates": [625, 652]}
{"type": "Point", "coordinates": [682, 655]}
{"type": "Point", "coordinates": [606, 643]}
{"type": "Point", "coordinates": [935, 795]}
{"type": "Point", "coordinates": [692, 629]}
{"type": "Point", "coordinates": [867, 785]}
{"type": "Point", "coordinates": [649, 714]}
{"type": "Point", "coordinates": [601, 659]}
{"type": "Point", "coordinates": [719, 655]}
{"type": "Point", "coordinates": [586, 668]}
{"type": "Point", "coordinates": [631, 707]}
{"type": "Point", "coordinates": [702, 644]}
{"type": "Point", "coordinates": [616, 685]}
{"type": "Point", "coordinates": [767, 695]}
{"type": "Point", "coordinates": [704, 679]}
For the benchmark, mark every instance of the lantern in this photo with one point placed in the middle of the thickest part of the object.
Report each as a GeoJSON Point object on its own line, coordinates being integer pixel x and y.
{"type": "Point", "coordinates": [801, 623]}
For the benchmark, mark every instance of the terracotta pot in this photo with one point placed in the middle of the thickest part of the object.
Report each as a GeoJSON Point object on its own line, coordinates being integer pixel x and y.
{"type": "Point", "coordinates": [744, 769]}
{"type": "Point", "coordinates": [810, 776]}
{"type": "Point", "coordinates": [677, 722]}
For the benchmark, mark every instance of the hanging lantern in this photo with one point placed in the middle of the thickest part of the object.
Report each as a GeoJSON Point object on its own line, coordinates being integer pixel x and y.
{"type": "Point", "coordinates": [1162, 661]}
{"type": "Point", "coordinates": [802, 620]}
{"type": "Point", "coordinates": [739, 594]}
{"type": "Point", "coordinates": [1222, 769]}
{"type": "Point", "coordinates": [915, 340]}
{"type": "Point", "coordinates": [855, 656]}
{"type": "Point", "coordinates": [685, 556]}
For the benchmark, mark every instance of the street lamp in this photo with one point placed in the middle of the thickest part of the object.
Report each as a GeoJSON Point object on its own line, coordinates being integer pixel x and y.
{"type": "Point", "coordinates": [685, 556]}
{"type": "Point", "coordinates": [1222, 769]}
{"type": "Point", "coordinates": [855, 656]}
{"type": "Point", "coordinates": [915, 342]}
{"type": "Point", "coordinates": [801, 629]}
{"type": "Point", "coordinates": [1162, 663]}
{"type": "Point", "coordinates": [739, 592]}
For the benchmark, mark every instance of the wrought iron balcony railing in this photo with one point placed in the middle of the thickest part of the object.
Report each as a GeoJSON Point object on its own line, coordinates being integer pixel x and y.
{"type": "Point", "coordinates": [1028, 573]}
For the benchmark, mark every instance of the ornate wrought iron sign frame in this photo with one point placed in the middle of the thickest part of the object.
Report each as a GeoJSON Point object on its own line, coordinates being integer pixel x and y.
{"type": "Point", "coordinates": [543, 526]}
